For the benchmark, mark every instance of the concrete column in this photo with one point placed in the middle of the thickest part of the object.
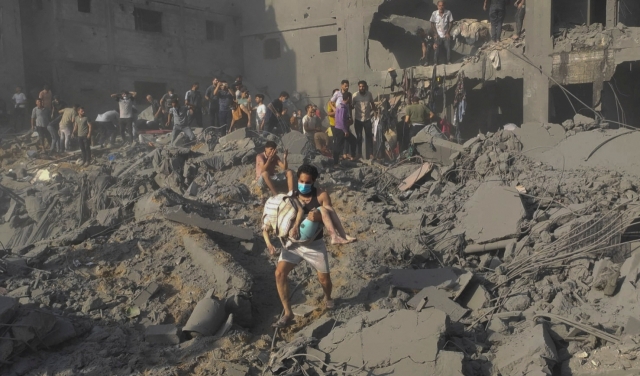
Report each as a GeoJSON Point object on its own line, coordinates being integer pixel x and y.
{"type": "Point", "coordinates": [612, 13]}
{"type": "Point", "coordinates": [538, 51]}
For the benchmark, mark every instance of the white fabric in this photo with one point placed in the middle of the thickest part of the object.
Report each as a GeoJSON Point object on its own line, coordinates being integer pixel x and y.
{"type": "Point", "coordinates": [442, 21]}
{"type": "Point", "coordinates": [109, 116]}
{"type": "Point", "coordinates": [337, 99]}
{"type": "Point", "coordinates": [261, 111]}
{"type": "Point", "coordinates": [20, 99]}
{"type": "Point", "coordinates": [311, 121]}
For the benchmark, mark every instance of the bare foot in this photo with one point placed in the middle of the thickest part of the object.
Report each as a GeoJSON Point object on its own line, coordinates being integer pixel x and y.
{"type": "Point", "coordinates": [338, 240]}
{"type": "Point", "coordinates": [351, 239]}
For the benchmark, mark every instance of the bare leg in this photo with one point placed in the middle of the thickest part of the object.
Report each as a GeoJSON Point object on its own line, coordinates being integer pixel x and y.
{"type": "Point", "coordinates": [269, 183]}
{"type": "Point", "coordinates": [337, 224]}
{"type": "Point", "coordinates": [327, 286]}
{"type": "Point", "coordinates": [282, 283]}
{"type": "Point", "coordinates": [328, 224]}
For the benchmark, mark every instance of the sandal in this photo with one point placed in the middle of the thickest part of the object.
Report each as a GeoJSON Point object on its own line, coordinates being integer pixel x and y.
{"type": "Point", "coordinates": [330, 304]}
{"type": "Point", "coordinates": [282, 322]}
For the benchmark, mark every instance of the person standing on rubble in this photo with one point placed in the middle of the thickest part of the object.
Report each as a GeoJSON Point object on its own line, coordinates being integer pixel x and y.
{"type": "Point", "coordinates": [315, 253]}
{"type": "Point", "coordinates": [261, 112]}
{"type": "Point", "coordinates": [520, 13]}
{"type": "Point", "coordinates": [107, 124]}
{"type": "Point", "coordinates": [193, 99]}
{"type": "Point", "coordinates": [47, 97]}
{"type": "Point", "coordinates": [342, 132]}
{"type": "Point", "coordinates": [19, 108]}
{"type": "Point", "coordinates": [83, 129]}
{"type": "Point", "coordinates": [66, 126]}
{"type": "Point", "coordinates": [312, 128]}
{"type": "Point", "coordinates": [40, 118]}
{"type": "Point", "coordinates": [364, 109]}
{"type": "Point", "coordinates": [165, 103]}
{"type": "Point", "coordinates": [53, 129]}
{"type": "Point", "coordinates": [266, 164]}
{"type": "Point", "coordinates": [275, 112]}
{"type": "Point", "coordinates": [418, 115]}
{"type": "Point", "coordinates": [497, 10]}
{"type": "Point", "coordinates": [125, 101]}
{"type": "Point", "coordinates": [428, 42]}
{"type": "Point", "coordinates": [441, 24]}
{"type": "Point", "coordinates": [181, 116]}
{"type": "Point", "coordinates": [225, 98]}
{"type": "Point", "coordinates": [213, 102]}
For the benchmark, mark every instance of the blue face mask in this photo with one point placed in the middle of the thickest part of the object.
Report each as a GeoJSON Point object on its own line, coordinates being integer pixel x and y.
{"type": "Point", "coordinates": [304, 188]}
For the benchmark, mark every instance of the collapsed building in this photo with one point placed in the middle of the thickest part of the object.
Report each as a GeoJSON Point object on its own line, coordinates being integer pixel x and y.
{"type": "Point", "coordinates": [512, 252]}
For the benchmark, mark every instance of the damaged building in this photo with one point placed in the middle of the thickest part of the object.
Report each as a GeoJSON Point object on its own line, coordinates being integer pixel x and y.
{"type": "Point", "coordinates": [511, 247]}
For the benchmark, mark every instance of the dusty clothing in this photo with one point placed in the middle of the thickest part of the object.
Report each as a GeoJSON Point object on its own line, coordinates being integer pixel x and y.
{"type": "Point", "coordinates": [500, 4]}
{"type": "Point", "coordinates": [194, 98]}
{"type": "Point", "coordinates": [85, 148]}
{"type": "Point", "coordinates": [442, 21]}
{"type": "Point", "coordinates": [363, 106]}
{"type": "Point", "coordinates": [180, 116]}
{"type": "Point", "coordinates": [261, 159]}
{"type": "Point", "coordinates": [83, 126]}
{"type": "Point", "coordinates": [166, 101]}
{"type": "Point", "coordinates": [314, 253]}
{"type": "Point", "coordinates": [418, 113]}
{"type": "Point", "coordinates": [68, 117]}
{"type": "Point", "coordinates": [261, 111]}
{"type": "Point", "coordinates": [126, 107]}
{"type": "Point", "coordinates": [41, 116]}
{"type": "Point", "coordinates": [20, 99]}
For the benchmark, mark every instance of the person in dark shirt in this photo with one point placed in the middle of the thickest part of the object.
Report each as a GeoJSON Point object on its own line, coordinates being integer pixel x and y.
{"type": "Point", "coordinates": [427, 46]}
{"type": "Point", "coordinates": [275, 110]}
{"type": "Point", "coordinates": [497, 11]}
{"type": "Point", "coordinates": [214, 106]}
{"type": "Point", "coordinates": [225, 99]}
{"type": "Point", "coordinates": [193, 99]}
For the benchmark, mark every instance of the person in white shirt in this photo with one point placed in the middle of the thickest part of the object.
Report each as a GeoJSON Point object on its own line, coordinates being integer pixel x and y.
{"type": "Point", "coordinates": [261, 111]}
{"type": "Point", "coordinates": [107, 125]}
{"type": "Point", "coordinates": [441, 24]}
{"type": "Point", "coordinates": [312, 128]}
{"type": "Point", "coordinates": [19, 108]}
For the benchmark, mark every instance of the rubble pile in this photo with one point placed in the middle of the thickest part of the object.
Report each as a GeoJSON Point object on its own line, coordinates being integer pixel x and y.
{"type": "Point", "coordinates": [473, 259]}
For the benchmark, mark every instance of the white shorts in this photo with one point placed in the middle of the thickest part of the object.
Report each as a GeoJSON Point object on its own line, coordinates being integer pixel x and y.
{"type": "Point", "coordinates": [315, 253]}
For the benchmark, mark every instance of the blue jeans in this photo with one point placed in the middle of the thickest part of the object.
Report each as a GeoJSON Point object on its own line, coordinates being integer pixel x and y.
{"type": "Point", "coordinates": [224, 117]}
{"type": "Point", "coordinates": [55, 138]}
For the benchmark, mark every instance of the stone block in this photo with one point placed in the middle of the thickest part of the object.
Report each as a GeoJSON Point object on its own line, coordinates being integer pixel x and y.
{"type": "Point", "coordinates": [436, 149]}
{"type": "Point", "coordinates": [318, 329]}
{"type": "Point", "coordinates": [296, 143]}
{"type": "Point", "coordinates": [177, 214]}
{"type": "Point", "coordinates": [438, 299]}
{"type": "Point", "coordinates": [417, 279]}
{"type": "Point", "coordinates": [405, 221]}
{"type": "Point", "coordinates": [163, 334]}
{"type": "Point", "coordinates": [108, 217]}
{"type": "Point", "coordinates": [8, 308]}
{"type": "Point", "coordinates": [526, 349]}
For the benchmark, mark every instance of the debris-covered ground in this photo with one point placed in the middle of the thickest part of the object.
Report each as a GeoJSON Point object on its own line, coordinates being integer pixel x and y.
{"type": "Point", "coordinates": [513, 254]}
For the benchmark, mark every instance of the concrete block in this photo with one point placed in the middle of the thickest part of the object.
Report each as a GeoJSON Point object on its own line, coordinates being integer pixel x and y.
{"type": "Point", "coordinates": [163, 334]}
{"type": "Point", "coordinates": [302, 310]}
{"type": "Point", "coordinates": [226, 275]}
{"type": "Point", "coordinates": [436, 149]}
{"type": "Point", "coordinates": [224, 329]}
{"type": "Point", "coordinates": [193, 189]}
{"type": "Point", "coordinates": [316, 358]}
{"type": "Point", "coordinates": [405, 221]}
{"type": "Point", "coordinates": [236, 135]}
{"type": "Point", "coordinates": [143, 296]}
{"type": "Point", "coordinates": [318, 329]}
{"type": "Point", "coordinates": [506, 210]}
{"type": "Point", "coordinates": [475, 297]}
{"type": "Point", "coordinates": [438, 299]}
{"type": "Point", "coordinates": [8, 307]}
{"type": "Point", "coordinates": [20, 292]}
{"type": "Point", "coordinates": [420, 278]}
{"type": "Point", "coordinates": [177, 214]}
{"type": "Point", "coordinates": [233, 369]}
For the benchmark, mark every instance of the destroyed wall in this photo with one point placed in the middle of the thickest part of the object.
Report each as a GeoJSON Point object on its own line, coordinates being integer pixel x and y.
{"type": "Point", "coordinates": [86, 56]}
{"type": "Point", "coordinates": [11, 64]}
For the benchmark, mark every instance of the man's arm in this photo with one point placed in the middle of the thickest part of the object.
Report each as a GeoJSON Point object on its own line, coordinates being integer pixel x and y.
{"type": "Point", "coordinates": [133, 93]}
{"type": "Point", "coordinates": [114, 95]}
{"type": "Point", "coordinates": [33, 118]}
{"type": "Point", "coordinates": [61, 111]}
{"type": "Point", "coordinates": [267, 240]}
{"type": "Point", "coordinates": [90, 127]}
{"type": "Point", "coordinates": [215, 91]}
{"type": "Point", "coordinates": [450, 25]}
{"type": "Point", "coordinates": [485, 5]}
{"type": "Point", "coordinates": [75, 128]}
{"type": "Point", "coordinates": [283, 163]}
{"type": "Point", "coordinates": [206, 93]}
{"type": "Point", "coordinates": [433, 28]}
{"type": "Point", "coordinates": [157, 114]}
{"type": "Point", "coordinates": [169, 118]}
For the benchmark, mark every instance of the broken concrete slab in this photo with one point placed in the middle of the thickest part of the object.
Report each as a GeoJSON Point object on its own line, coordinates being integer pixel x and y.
{"type": "Point", "coordinates": [178, 214]}
{"type": "Point", "coordinates": [108, 217]}
{"type": "Point", "coordinates": [435, 149]}
{"type": "Point", "coordinates": [238, 134]}
{"type": "Point", "coordinates": [380, 338]}
{"type": "Point", "coordinates": [228, 277]}
{"type": "Point", "coordinates": [302, 310]}
{"type": "Point", "coordinates": [536, 137]}
{"type": "Point", "coordinates": [296, 143]}
{"type": "Point", "coordinates": [153, 203]}
{"type": "Point", "coordinates": [143, 296]}
{"type": "Point", "coordinates": [316, 358]}
{"type": "Point", "coordinates": [62, 331]}
{"type": "Point", "coordinates": [417, 279]}
{"type": "Point", "coordinates": [12, 208]}
{"type": "Point", "coordinates": [318, 329]}
{"type": "Point", "coordinates": [475, 297]}
{"type": "Point", "coordinates": [524, 352]}
{"type": "Point", "coordinates": [34, 325]}
{"type": "Point", "coordinates": [232, 369]}
{"type": "Point", "coordinates": [504, 206]}
{"type": "Point", "coordinates": [162, 334]}
{"type": "Point", "coordinates": [418, 174]}
{"type": "Point", "coordinates": [438, 299]}
{"type": "Point", "coordinates": [240, 307]}
{"type": "Point", "coordinates": [405, 221]}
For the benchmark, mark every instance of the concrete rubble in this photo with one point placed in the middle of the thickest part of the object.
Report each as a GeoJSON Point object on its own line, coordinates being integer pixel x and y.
{"type": "Point", "coordinates": [513, 252]}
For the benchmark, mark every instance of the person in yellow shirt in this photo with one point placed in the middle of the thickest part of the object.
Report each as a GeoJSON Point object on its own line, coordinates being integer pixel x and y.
{"type": "Point", "coordinates": [331, 114]}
